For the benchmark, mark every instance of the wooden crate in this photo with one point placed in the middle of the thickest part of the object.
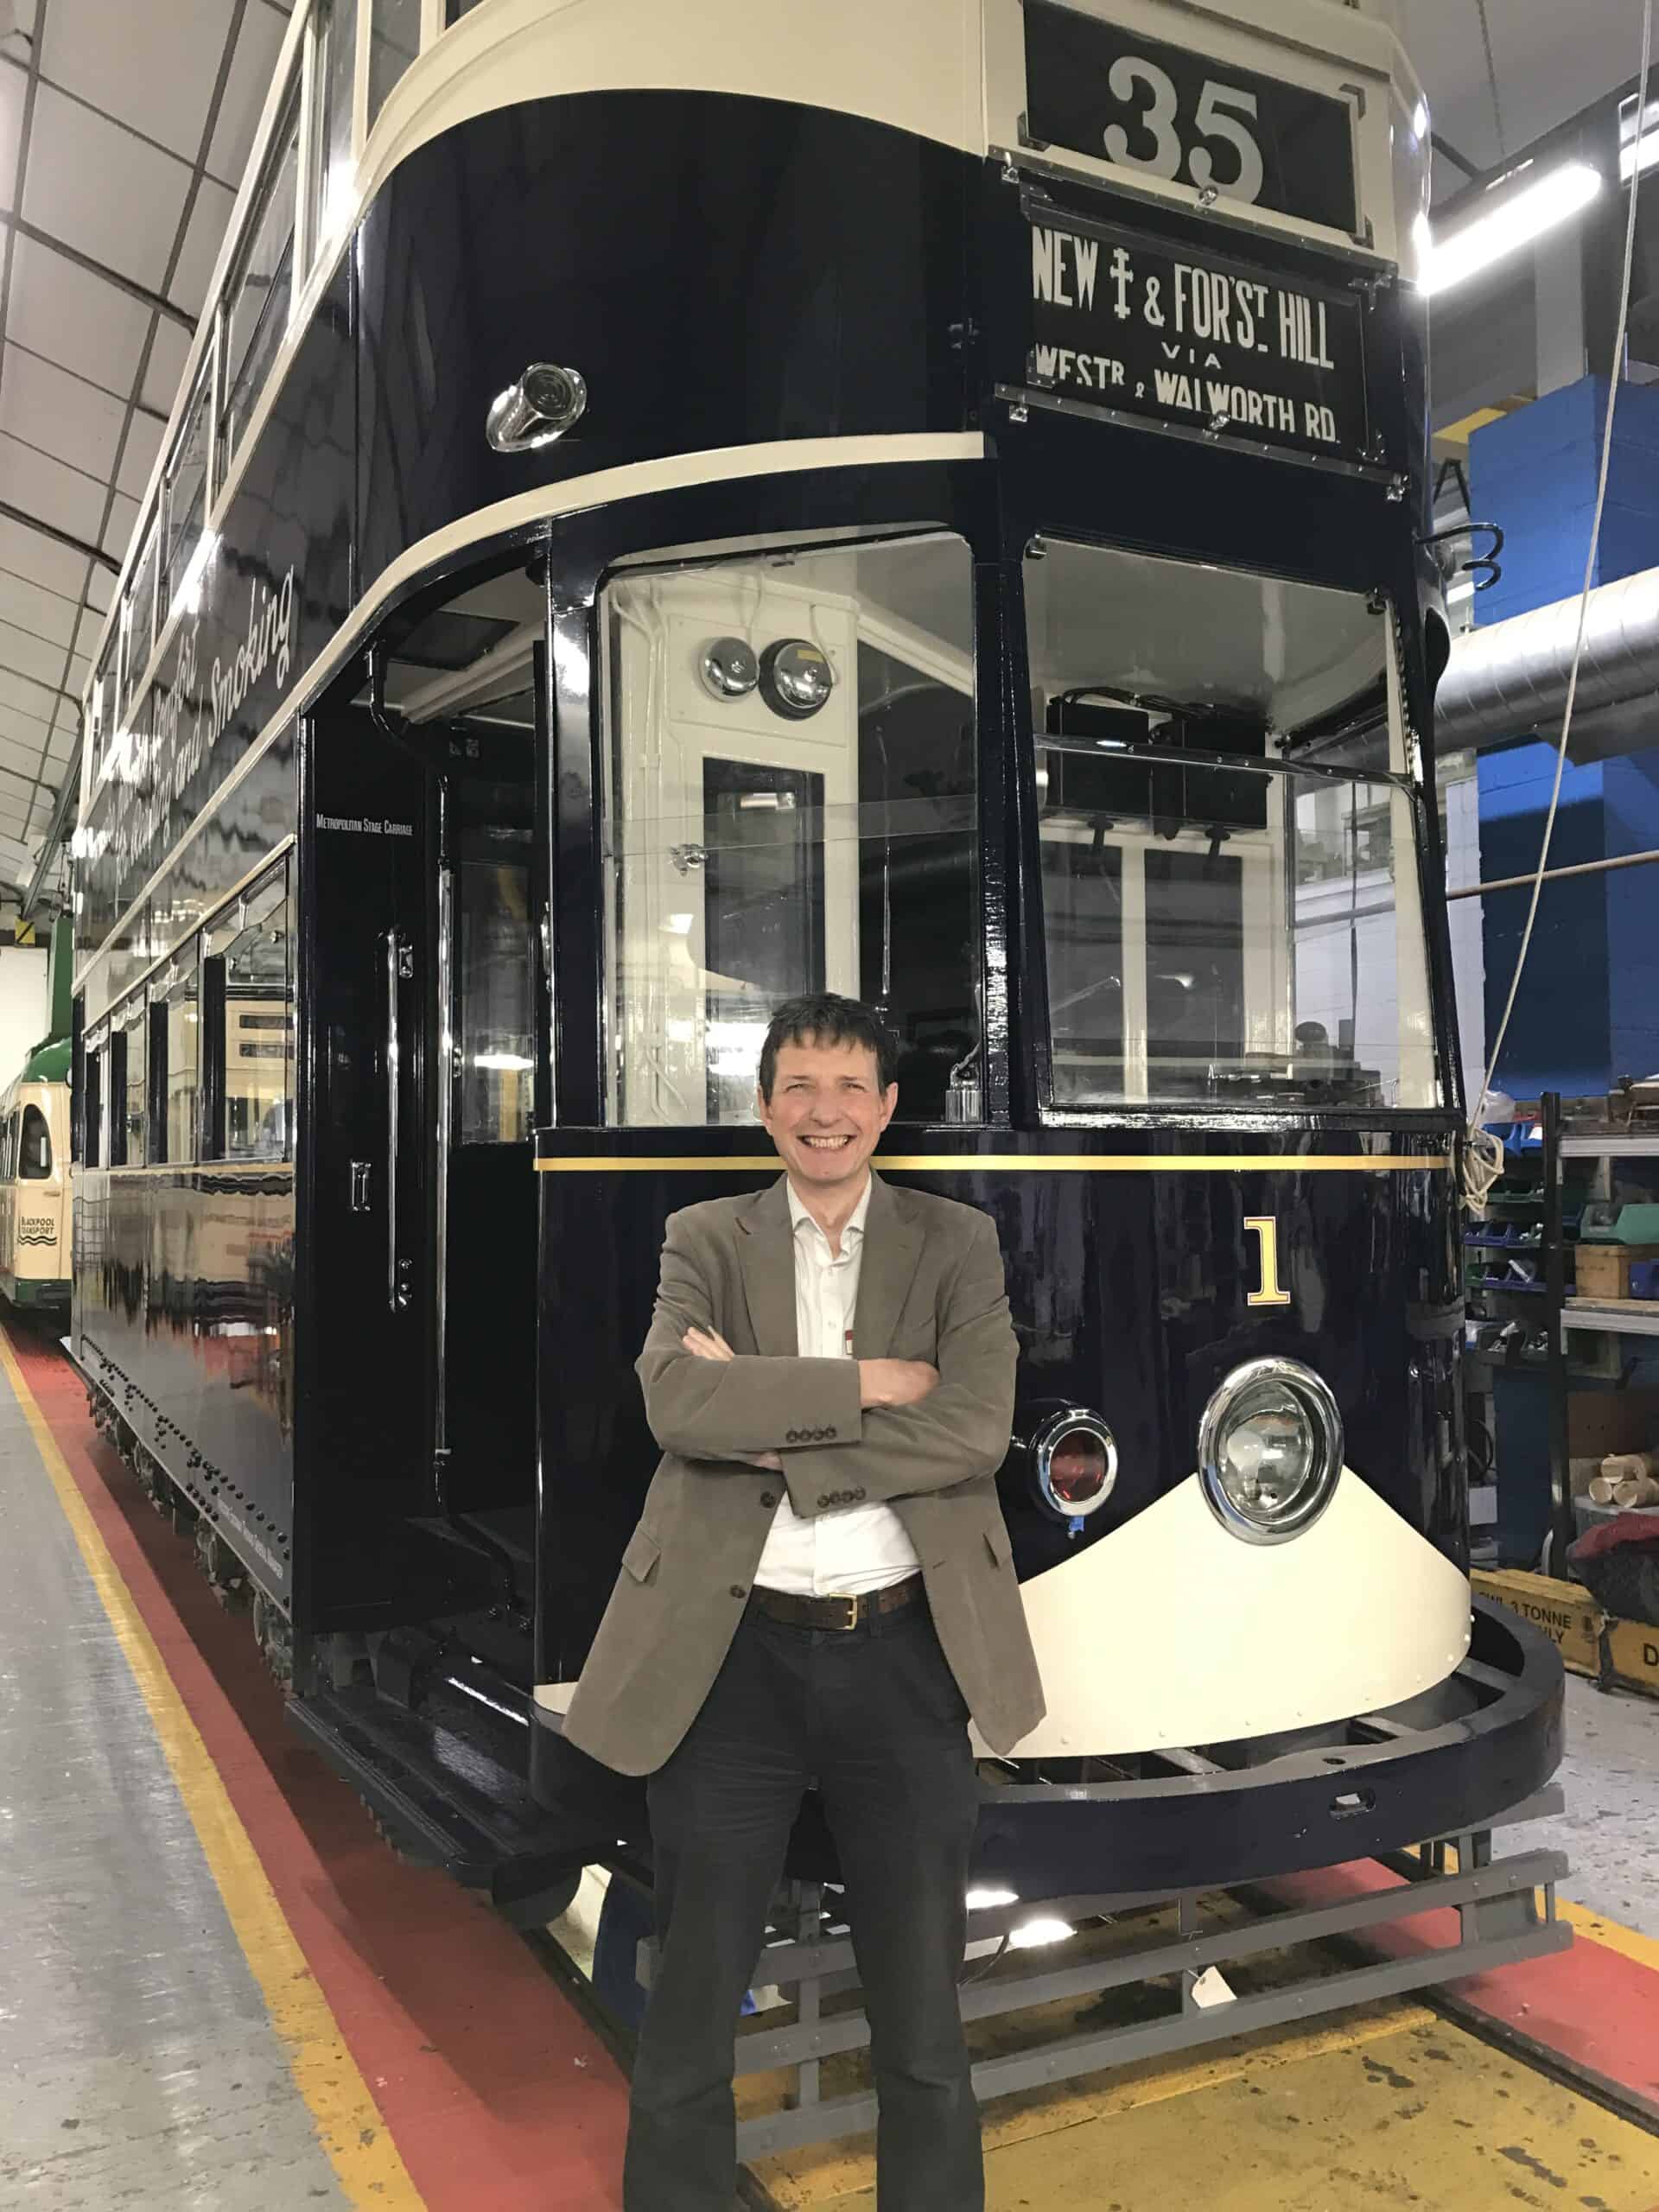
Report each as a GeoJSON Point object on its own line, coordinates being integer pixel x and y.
{"type": "Point", "coordinates": [1603, 1271]}
{"type": "Point", "coordinates": [1566, 1612]}
{"type": "Point", "coordinates": [1632, 1656]}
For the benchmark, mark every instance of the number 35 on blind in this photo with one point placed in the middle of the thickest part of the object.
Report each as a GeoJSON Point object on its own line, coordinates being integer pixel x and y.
{"type": "Point", "coordinates": [1154, 144]}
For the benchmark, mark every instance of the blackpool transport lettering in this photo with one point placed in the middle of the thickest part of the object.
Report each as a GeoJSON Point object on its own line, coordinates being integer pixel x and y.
{"type": "Point", "coordinates": [1124, 323]}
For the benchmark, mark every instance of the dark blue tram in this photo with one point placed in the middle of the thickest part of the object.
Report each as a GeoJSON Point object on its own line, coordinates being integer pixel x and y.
{"type": "Point", "coordinates": [668, 509]}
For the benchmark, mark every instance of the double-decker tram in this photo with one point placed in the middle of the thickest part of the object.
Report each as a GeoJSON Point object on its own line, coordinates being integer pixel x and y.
{"type": "Point", "coordinates": [669, 510]}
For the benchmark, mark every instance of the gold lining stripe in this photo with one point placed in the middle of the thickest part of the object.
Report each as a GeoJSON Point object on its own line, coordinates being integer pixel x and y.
{"type": "Point", "coordinates": [1057, 1163]}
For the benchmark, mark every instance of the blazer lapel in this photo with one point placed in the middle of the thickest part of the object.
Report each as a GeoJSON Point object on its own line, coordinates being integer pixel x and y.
{"type": "Point", "coordinates": [892, 1246]}
{"type": "Point", "coordinates": [765, 1246]}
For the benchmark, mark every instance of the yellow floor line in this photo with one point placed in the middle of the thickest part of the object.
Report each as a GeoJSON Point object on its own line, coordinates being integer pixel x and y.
{"type": "Point", "coordinates": [348, 2121]}
{"type": "Point", "coordinates": [1612, 1934]}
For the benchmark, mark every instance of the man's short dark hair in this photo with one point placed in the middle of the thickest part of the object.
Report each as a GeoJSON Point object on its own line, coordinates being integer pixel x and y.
{"type": "Point", "coordinates": [822, 1018]}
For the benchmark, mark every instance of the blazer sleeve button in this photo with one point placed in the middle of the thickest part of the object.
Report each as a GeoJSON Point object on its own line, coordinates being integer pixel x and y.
{"type": "Point", "coordinates": [768, 1497]}
{"type": "Point", "coordinates": [824, 1498]}
{"type": "Point", "coordinates": [738, 1591]}
{"type": "Point", "coordinates": [858, 1496]}
{"type": "Point", "coordinates": [793, 1436]}
{"type": "Point", "coordinates": [829, 1432]}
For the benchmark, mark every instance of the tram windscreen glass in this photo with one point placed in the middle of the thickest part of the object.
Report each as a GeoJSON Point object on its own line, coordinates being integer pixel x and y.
{"type": "Point", "coordinates": [790, 807]}
{"type": "Point", "coordinates": [34, 1147]}
{"type": "Point", "coordinates": [1223, 928]}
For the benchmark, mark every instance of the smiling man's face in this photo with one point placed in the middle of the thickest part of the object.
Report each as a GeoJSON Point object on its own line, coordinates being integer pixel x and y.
{"type": "Point", "coordinates": [826, 1111]}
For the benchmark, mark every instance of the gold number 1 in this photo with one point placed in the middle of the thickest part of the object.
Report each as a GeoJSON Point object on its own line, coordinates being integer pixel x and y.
{"type": "Point", "coordinates": [1266, 1231]}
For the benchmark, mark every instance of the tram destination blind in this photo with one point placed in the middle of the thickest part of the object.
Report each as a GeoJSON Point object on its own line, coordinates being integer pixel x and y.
{"type": "Point", "coordinates": [1126, 324]}
{"type": "Point", "coordinates": [1154, 110]}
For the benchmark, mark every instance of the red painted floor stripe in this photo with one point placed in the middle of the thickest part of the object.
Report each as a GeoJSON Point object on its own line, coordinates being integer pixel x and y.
{"type": "Point", "coordinates": [1590, 2004]}
{"type": "Point", "coordinates": [496, 2093]}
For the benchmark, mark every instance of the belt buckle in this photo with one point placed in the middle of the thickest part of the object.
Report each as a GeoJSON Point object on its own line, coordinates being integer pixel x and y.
{"type": "Point", "coordinates": [851, 1621]}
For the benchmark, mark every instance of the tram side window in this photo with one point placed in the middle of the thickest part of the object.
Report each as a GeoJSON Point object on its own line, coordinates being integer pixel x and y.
{"type": "Point", "coordinates": [791, 806]}
{"type": "Point", "coordinates": [92, 1138]}
{"type": "Point", "coordinates": [336, 33]}
{"type": "Point", "coordinates": [180, 1070]}
{"type": "Point", "coordinates": [394, 41]}
{"type": "Point", "coordinates": [257, 300]}
{"type": "Point", "coordinates": [250, 948]}
{"type": "Point", "coordinates": [135, 1082]}
{"type": "Point", "coordinates": [141, 621]}
{"type": "Point", "coordinates": [187, 493]}
{"type": "Point", "coordinates": [117, 1098]}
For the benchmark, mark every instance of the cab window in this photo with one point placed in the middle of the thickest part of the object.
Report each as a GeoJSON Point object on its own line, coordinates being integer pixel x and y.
{"type": "Point", "coordinates": [35, 1147]}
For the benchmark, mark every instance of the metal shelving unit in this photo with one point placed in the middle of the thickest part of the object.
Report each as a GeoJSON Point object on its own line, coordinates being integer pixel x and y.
{"type": "Point", "coordinates": [1577, 1316]}
{"type": "Point", "coordinates": [1614, 1318]}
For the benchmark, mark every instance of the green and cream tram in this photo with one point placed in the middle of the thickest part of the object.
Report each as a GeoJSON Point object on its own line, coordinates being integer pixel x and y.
{"type": "Point", "coordinates": [673, 506]}
{"type": "Point", "coordinates": [34, 1183]}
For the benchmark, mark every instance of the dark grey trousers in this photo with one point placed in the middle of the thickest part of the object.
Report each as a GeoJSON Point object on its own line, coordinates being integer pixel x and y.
{"type": "Point", "coordinates": [875, 1717]}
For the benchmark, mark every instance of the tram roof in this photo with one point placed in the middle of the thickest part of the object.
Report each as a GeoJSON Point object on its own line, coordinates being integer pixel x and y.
{"type": "Point", "coordinates": [47, 1062]}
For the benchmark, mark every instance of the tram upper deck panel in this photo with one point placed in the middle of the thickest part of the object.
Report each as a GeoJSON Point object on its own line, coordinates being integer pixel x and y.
{"type": "Point", "coordinates": [831, 279]}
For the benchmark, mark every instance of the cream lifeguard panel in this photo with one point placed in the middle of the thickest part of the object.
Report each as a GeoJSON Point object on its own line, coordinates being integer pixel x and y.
{"type": "Point", "coordinates": [933, 515]}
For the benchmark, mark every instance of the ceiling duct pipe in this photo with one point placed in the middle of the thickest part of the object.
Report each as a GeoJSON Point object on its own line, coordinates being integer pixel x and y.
{"type": "Point", "coordinates": [1509, 681]}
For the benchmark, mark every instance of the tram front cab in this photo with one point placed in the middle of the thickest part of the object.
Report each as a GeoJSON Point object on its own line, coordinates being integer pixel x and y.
{"type": "Point", "coordinates": [34, 1178]}
{"type": "Point", "coordinates": [1169, 1010]}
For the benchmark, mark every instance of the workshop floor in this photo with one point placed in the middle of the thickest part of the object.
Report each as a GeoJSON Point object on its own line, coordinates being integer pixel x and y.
{"type": "Point", "coordinates": [231, 1994]}
{"type": "Point", "coordinates": [1392, 2107]}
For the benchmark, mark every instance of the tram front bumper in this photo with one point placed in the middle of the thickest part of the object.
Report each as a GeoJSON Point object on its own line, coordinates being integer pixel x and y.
{"type": "Point", "coordinates": [1477, 1744]}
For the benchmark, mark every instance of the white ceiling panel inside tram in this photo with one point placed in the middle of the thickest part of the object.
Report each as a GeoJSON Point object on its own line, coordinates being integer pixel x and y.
{"type": "Point", "coordinates": [1174, 632]}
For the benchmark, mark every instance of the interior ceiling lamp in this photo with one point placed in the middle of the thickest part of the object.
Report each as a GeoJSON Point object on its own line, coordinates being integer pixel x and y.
{"type": "Point", "coordinates": [1512, 215]}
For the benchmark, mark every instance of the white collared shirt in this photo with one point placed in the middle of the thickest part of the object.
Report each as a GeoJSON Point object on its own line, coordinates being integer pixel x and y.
{"type": "Point", "coordinates": [855, 1547]}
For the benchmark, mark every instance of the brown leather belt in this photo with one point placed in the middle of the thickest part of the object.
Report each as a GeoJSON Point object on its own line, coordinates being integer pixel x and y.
{"type": "Point", "coordinates": [838, 1613]}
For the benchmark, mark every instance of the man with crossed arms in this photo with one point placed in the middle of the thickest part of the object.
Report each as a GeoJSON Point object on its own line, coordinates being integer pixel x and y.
{"type": "Point", "coordinates": [819, 1593]}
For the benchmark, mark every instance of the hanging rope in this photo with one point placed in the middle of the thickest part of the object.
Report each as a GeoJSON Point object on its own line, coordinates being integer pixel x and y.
{"type": "Point", "coordinates": [1491, 80]}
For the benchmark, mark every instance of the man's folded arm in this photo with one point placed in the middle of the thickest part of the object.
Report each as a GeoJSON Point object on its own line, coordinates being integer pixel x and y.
{"type": "Point", "coordinates": [724, 1409]}
{"type": "Point", "coordinates": [958, 1431]}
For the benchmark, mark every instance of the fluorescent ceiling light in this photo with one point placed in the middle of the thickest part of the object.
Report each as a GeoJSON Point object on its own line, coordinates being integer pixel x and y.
{"type": "Point", "coordinates": [1516, 219]}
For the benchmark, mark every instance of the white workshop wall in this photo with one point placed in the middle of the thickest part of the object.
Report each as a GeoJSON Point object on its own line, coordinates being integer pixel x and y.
{"type": "Point", "coordinates": [24, 1006]}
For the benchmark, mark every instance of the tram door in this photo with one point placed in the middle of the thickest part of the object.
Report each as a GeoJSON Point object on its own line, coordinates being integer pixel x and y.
{"type": "Point", "coordinates": [372, 1202]}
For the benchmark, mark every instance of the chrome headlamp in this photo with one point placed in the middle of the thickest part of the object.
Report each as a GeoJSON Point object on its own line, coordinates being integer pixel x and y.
{"type": "Point", "coordinates": [1270, 1450]}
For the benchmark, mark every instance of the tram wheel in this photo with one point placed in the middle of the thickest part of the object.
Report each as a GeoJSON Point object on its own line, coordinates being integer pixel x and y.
{"type": "Point", "coordinates": [271, 1634]}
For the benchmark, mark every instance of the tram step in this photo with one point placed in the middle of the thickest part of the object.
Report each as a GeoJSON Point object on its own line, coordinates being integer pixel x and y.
{"type": "Point", "coordinates": [447, 1781]}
